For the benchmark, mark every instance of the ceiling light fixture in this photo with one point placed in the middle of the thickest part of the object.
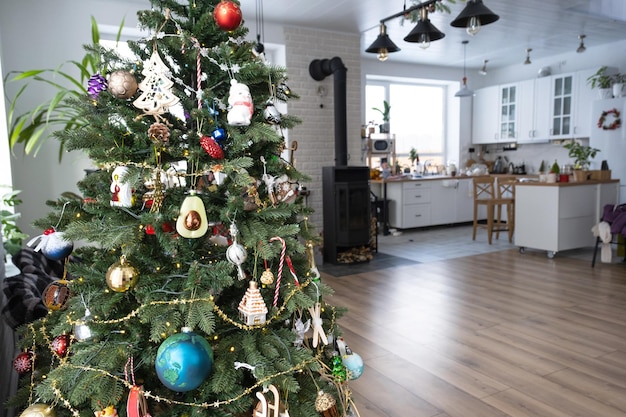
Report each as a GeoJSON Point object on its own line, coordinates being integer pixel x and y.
{"type": "Point", "coordinates": [424, 32]}
{"type": "Point", "coordinates": [483, 70]}
{"type": "Point", "coordinates": [259, 48]}
{"type": "Point", "coordinates": [474, 16]}
{"type": "Point", "coordinates": [464, 91]}
{"type": "Point", "coordinates": [581, 47]}
{"type": "Point", "coordinates": [383, 45]}
{"type": "Point", "coordinates": [527, 61]}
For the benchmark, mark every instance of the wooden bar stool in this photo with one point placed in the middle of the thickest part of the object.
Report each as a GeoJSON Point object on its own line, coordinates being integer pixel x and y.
{"type": "Point", "coordinates": [485, 194]}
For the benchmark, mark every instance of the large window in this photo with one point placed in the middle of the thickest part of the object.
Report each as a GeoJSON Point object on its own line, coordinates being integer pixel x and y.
{"type": "Point", "coordinates": [417, 116]}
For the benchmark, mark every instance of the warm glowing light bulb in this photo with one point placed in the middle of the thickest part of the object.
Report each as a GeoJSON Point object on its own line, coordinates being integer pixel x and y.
{"type": "Point", "coordinates": [383, 54]}
{"type": "Point", "coordinates": [473, 25]}
{"type": "Point", "coordinates": [423, 40]}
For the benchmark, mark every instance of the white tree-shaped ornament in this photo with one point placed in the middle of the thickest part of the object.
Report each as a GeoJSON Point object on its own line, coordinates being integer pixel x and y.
{"type": "Point", "coordinates": [157, 96]}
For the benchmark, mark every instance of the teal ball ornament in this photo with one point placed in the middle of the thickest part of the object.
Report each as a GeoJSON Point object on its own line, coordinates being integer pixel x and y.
{"type": "Point", "coordinates": [184, 361]}
{"type": "Point", "coordinates": [354, 365]}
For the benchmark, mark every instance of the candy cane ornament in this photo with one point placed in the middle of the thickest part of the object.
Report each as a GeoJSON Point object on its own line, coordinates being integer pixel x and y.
{"type": "Point", "coordinates": [280, 266]}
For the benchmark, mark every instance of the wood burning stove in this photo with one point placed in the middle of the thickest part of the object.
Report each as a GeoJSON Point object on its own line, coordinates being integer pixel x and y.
{"type": "Point", "coordinates": [346, 209]}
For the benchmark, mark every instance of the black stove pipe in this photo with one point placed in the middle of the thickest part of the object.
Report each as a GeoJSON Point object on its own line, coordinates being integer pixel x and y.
{"type": "Point", "coordinates": [320, 69]}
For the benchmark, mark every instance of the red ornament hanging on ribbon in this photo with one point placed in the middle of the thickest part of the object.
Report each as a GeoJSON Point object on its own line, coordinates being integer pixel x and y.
{"type": "Point", "coordinates": [227, 15]}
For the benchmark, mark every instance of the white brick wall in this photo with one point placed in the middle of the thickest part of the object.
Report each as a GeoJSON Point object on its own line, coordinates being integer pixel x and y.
{"type": "Point", "coordinates": [316, 135]}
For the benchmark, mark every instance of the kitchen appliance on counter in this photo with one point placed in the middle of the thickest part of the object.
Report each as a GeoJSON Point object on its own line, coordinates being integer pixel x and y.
{"type": "Point", "coordinates": [608, 134]}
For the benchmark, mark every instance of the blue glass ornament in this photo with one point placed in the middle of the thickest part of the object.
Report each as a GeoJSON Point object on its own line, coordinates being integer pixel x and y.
{"type": "Point", "coordinates": [354, 364]}
{"type": "Point", "coordinates": [219, 134]}
{"type": "Point", "coordinates": [184, 361]}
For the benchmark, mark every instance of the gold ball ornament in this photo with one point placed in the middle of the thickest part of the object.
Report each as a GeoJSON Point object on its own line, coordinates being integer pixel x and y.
{"type": "Point", "coordinates": [267, 277]}
{"type": "Point", "coordinates": [38, 410]}
{"type": "Point", "coordinates": [122, 84]}
{"type": "Point", "coordinates": [122, 276]}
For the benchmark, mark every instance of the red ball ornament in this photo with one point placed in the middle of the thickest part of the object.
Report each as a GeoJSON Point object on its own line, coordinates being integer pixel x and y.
{"type": "Point", "coordinates": [60, 344]}
{"type": "Point", "coordinates": [227, 15]}
{"type": "Point", "coordinates": [23, 362]}
{"type": "Point", "coordinates": [211, 147]}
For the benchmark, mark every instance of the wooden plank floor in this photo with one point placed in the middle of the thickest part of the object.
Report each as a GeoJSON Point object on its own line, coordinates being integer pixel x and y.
{"type": "Point", "coordinates": [492, 335]}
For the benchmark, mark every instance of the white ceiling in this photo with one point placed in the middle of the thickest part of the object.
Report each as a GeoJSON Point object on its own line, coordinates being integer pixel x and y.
{"type": "Point", "coordinates": [549, 27]}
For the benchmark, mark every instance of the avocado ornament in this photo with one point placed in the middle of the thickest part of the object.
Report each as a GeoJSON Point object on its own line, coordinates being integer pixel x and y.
{"type": "Point", "coordinates": [192, 222]}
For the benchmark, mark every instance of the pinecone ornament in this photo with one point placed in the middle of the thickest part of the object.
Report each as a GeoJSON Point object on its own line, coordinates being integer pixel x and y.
{"type": "Point", "coordinates": [96, 84]}
{"type": "Point", "coordinates": [159, 133]}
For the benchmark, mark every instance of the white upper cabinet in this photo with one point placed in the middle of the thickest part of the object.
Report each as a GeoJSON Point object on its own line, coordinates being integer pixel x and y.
{"type": "Point", "coordinates": [495, 117]}
{"type": "Point", "coordinates": [532, 111]}
{"type": "Point", "coordinates": [585, 97]}
{"type": "Point", "coordinates": [485, 115]}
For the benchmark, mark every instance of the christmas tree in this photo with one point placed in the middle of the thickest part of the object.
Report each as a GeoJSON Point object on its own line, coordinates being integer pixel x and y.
{"type": "Point", "coordinates": [194, 289]}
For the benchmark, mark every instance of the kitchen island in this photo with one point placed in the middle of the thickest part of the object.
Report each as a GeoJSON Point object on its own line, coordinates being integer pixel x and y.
{"type": "Point", "coordinates": [559, 216]}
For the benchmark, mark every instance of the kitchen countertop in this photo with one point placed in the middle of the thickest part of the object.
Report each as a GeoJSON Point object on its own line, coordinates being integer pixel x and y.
{"type": "Point", "coordinates": [406, 178]}
{"type": "Point", "coordinates": [567, 184]}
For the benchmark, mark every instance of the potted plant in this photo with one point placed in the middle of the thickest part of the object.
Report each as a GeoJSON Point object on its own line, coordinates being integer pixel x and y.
{"type": "Point", "coordinates": [384, 126]}
{"type": "Point", "coordinates": [602, 81]}
{"type": "Point", "coordinates": [582, 155]}
{"type": "Point", "coordinates": [413, 156]}
{"type": "Point", "coordinates": [618, 84]}
{"type": "Point", "coordinates": [554, 172]}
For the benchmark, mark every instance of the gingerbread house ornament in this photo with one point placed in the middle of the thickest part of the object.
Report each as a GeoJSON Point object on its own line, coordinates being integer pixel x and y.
{"type": "Point", "coordinates": [252, 308]}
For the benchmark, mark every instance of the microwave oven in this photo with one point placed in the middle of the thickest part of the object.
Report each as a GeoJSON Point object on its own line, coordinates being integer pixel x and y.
{"type": "Point", "coordinates": [382, 145]}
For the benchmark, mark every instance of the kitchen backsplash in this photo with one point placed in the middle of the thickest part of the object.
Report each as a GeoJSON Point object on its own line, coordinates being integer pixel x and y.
{"type": "Point", "coordinates": [531, 155]}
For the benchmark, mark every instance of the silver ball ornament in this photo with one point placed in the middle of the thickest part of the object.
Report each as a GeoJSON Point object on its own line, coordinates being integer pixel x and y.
{"type": "Point", "coordinates": [122, 84]}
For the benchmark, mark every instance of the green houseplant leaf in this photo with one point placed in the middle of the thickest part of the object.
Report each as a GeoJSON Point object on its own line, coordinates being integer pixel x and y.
{"type": "Point", "coordinates": [32, 128]}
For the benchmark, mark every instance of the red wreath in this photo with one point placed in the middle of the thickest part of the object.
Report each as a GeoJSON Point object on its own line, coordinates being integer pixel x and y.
{"type": "Point", "coordinates": [616, 123]}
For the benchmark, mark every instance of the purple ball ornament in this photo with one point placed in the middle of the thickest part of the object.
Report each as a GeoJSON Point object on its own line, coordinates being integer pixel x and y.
{"type": "Point", "coordinates": [96, 84]}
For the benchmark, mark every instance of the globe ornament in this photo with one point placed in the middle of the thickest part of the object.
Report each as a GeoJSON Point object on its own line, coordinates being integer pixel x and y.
{"type": "Point", "coordinates": [122, 84]}
{"type": "Point", "coordinates": [122, 276]}
{"type": "Point", "coordinates": [227, 15]}
{"type": "Point", "coordinates": [56, 295]}
{"type": "Point", "coordinates": [354, 365]}
{"type": "Point", "coordinates": [39, 410]}
{"type": "Point", "coordinates": [184, 361]}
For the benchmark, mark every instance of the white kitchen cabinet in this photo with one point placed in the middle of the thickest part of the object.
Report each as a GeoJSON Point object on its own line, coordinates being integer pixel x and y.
{"type": "Point", "coordinates": [556, 217]}
{"type": "Point", "coordinates": [571, 105]}
{"type": "Point", "coordinates": [534, 110]}
{"type": "Point", "coordinates": [409, 204]}
{"type": "Point", "coordinates": [585, 97]}
{"type": "Point", "coordinates": [427, 202]}
{"type": "Point", "coordinates": [495, 115]}
{"type": "Point", "coordinates": [485, 115]}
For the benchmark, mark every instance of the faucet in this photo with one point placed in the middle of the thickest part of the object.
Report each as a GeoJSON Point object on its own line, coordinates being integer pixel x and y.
{"type": "Point", "coordinates": [427, 164]}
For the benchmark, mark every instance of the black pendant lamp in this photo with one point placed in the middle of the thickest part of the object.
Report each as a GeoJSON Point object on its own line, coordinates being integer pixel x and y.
{"type": "Point", "coordinates": [383, 45]}
{"type": "Point", "coordinates": [474, 16]}
{"type": "Point", "coordinates": [425, 32]}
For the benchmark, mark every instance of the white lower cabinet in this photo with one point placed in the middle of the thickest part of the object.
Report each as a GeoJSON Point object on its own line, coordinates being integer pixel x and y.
{"type": "Point", "coordinates": [409, 204]}
{"type": "Point", "coordinates": [421, 203]}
